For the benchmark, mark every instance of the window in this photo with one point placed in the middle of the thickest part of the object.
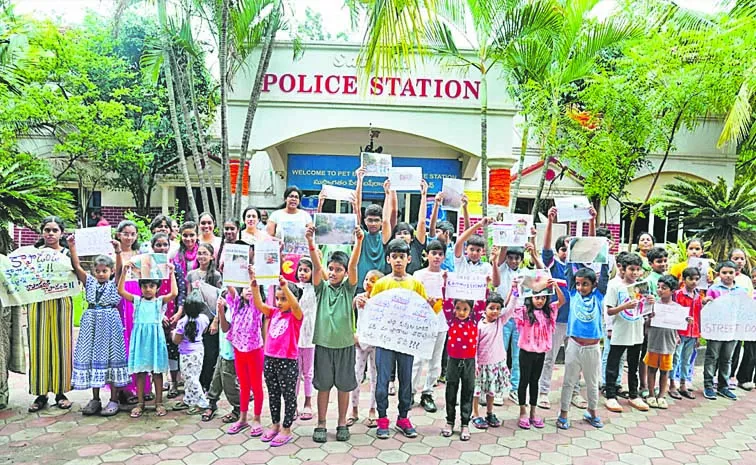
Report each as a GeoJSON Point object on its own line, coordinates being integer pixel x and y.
{"type": "Point", "coordinates": [641, 225]}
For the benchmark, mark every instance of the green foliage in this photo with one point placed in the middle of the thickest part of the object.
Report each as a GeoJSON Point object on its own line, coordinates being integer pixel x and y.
{"type": "Point", "coordinates": [715, 212]}
{"type": "Point", "coordinates": [143, 225]}
{"type": "Point", "coordinates": [312, 27]}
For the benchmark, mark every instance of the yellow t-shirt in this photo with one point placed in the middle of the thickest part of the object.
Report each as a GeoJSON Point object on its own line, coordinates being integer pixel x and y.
{"type": "Point", "coordinates": [677, 269]}
{"type": "Point", "coordinates": [409, 282]}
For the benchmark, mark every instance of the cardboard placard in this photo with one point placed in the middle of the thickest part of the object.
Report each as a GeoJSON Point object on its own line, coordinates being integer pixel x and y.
{"type": "Point", "coordinates": [148, 266]}
{"type": "Point", "coordinates": [511, 234]}
{"type": "Point", "coordinates": [338, 193]}
{"type": "Point", "coordinates": [29, 275]}
{"type": "Point", "coordinates": [731, 317]}
{"type": "Point", "coordinates": [703, 268]}
{"type": "Point", "coordinates": [293, 236]}
{"type": "Point", "coordinates": [94, 241]}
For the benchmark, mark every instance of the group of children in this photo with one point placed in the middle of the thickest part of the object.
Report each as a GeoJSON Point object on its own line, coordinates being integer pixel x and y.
{"type": "Point", "coordinates": [304, 333]}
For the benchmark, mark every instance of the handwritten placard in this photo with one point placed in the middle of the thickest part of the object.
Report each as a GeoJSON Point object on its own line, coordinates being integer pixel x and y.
{"type": "Point", "coordinates": [400, 320]}
{"type": "Point", "coordinates": [588, 250]}
{"type": "Point", "coordinates": [148, 266]}
{"type": "Point", "coordinates": [338, 193]}
{"type": "Point", "coordinates": [466, 286]}
{"type": "Point", "coordinates": [703, 269]}
{"type": "Point", "coordinates": [93, 241]}
{"type": "Point", "coordinates": [376, 164]}
{"type": "Point", "coordinates": [235, 265]}
{"type": "Point", "coordinates": [731, 317]}
{"type": "Point", "coordinates": [267, 263]}
{"type": "Point", "coordinates": [405, 179]}
{"type": "Point", "coordinates": [670, 316]}
{"type": "Point", "coordinates": [30, 275]}
{"type": "Point", "coordinates": [512, 234]}
{"type": "Point", "coordinates": [335, 228]}
{"type": "Point", "coordinates": [453, 190]}
{"type": "Point", "coordinates": [433, 282]}
{"type": "Point", "coordinates": [572, 209]}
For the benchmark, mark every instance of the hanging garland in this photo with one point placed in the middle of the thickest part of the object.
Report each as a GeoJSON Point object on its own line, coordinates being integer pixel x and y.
{"type": "Point", "coordinates": [499, 181]}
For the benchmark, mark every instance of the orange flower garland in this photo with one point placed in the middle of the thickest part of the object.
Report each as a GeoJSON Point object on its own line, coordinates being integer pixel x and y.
{"type": "Point", "coordinates": [499, 181]}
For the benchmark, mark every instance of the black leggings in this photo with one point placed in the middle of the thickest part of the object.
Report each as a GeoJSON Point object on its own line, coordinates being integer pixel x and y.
{"type": "Point", "coordinates": [212, 350]}
{"type": "Point", "coordinates": [460, 374]}
{"type": "Point", "coordinates": [281, 378]}
{"type": "Point", "coordinates": [531, 366]}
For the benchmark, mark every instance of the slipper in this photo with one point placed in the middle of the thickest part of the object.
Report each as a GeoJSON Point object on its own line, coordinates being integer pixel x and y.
{"type": "Point", "coordinates": [39, 403]}
{"type": "Point", "coordinates": [160, 410]}
{"type": "Point", "coordinates": [675, 395]}
{"type": "Point", "coordinates": [231, 417]}
{"type": "Point", "coordinates": [524, 423]}
{"type": "Point", "coordinates": [237, 427]}
{"type": "Point", "coordinates": [543, 402]}
{"type": "Point", "coordinates": [306, 414]}
{"type": "Point", "coordinates": [342, 433]}
{"type": "Point", "coordinates": [195, 411]}
{"type": "Point", "coordinates": [688, 394]}
{"type": "Point", "coordinates": [93, 407]}
{"type": "Point", "coordinates": [208, 414]}
{"type": "Point", "coordinates": [480, 423]}
{"type": "Point", "coordinates": [563, 423]}
{"type": "Point", "coordinates": [111, 409]}
{"type": "Point", "coordinates": [352, 420]}
{"type": "Point", "coordinates": [320, 435]}
{"type": "Point", "coordinates": [594, 421]}
{"type": "Point", "coordinates": [127, 400]}
{"type": "Point", "coordinates": [62, 402]}
{"type": "Point", "coordinates": [180, 406]}
{"type": "Point", "coordinates": [280, 440]}
{"type": "Point", "coordinates": [269, 435]}
{"type": "Point", "coordinates": [173, 393]}
{"type": "Point", "coordinates": [137, 411]}
{"type": "Point", "coordinates": [447, 431]}
{"type": "Point", "coordinates": [537, 422]}
{"type": "Point", "coordinates": [370, 423]}
{"type": "Point", "coordinates": [464, 435]}
{"type": "Point", "coordinates": [256, 431]}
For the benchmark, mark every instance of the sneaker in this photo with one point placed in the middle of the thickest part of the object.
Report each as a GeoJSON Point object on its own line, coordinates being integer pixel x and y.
{"type": "Point", "coordinates": [513, 397]}
{"type": "Point", "coordinates": [498, 399]}
{"type": "Point", "coordinates": [405, 427]}
{"type": "Point", "coordinates": [492, 421]}
{"type": "Point", "coordinates": [613, 406]}
{"type": "Point", "coordinates": [480, 423]}
{"type": "Point", "coordinates": [727, 394]}
{"type": "Point", "coordinates": [441, 379]}
{"type": "Point", "coordinates": [638, 403]}
{"type": "Point", "coordinates": [426, 401]}
{"type": "Point", "coordinates": [383, 431]}
{"type": "Point", "coordinates": [710, 394]}
{"type": "Point", "coordinates": [746, 386]}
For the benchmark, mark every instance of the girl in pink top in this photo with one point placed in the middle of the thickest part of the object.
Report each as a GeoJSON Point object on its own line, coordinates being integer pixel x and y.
{"type": "Point", "coordinates": [535, 321]}
{"type": "Point", "coordinates": [281, 349]}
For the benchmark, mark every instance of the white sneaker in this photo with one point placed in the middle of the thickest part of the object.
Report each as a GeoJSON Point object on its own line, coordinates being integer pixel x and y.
{"type": "Point", "coordinates": [639, 404]}
{"type": "Point", "coordinates": [613, 406]}
{"type": "Point", "coordinates": [499, 399]}
{"type": "Point", "coordinates": [514, 398]}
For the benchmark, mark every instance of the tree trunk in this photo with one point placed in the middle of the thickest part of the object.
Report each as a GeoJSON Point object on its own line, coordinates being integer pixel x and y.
{"type": "Point", "coordinates": [520, 167]}
{"type": "Point", "coordinates": [190, 132]}
{"type": "Point", "coordinates": [223, 62]}
{"type": "Point", "coordinates": [539, 192]}
{"type": "Point", "coordinates": [548, 146]}
{"type": "Point", "coordinates": [262, 68]}
{"type": "Point", "coordinates": [163, 19]}
{"type": "Point", "coordinates": [483, 147]}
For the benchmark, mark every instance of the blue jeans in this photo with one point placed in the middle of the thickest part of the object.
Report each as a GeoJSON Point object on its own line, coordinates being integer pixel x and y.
{"type": "Point", "coordinates": [385, 360]}
{"type": "Point", "coordinates": [512, 335]}
{"type": "Point", "coordinates": [685, 355]}
{"type": "Point", "coordinates": [605, 357]}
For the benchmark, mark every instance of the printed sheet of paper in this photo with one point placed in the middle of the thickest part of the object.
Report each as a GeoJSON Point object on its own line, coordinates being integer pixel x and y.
{"type": "Point", "coordinates": [235, 265]}
{"type": "Point", "coordinates": [148, 266]}
{"type": "Point", "coordinates": [94, 241]}
{"type": "Point", "coordinates": [29, 275]}
{"type": "Point", "coordinates": [338, 193]}
{"type": "Point", "coordinates": [572, 209]}
{"type": "Point", "coordinates": [400, 320]}
{"type": "Point", "coordinates": [640, 291]}
{"type": "Point", "coordinates": [466, 286]}
{"type": "Point", "coordinates": [335, 228]}
{"type": "Point", "coordinates": [670, 316]}
{"type": "Point", "coordinates": [267, 263]}
{"type": "Point", "coordinates": [376, 164]}
{"type": "Point", "coordinates": [405, 179]}
{"type": "Point", "coordinates": [513, 234]}
{"type": "Point", "coordinates": [557, 230]}
{"type": "Point", "coordinates": [588, 250]}
{"type": "Point", "coordinates": [453, 190]}
{"type": "Point", "coordinates": [535, 282]}
{"type": "Point", "coordinates": [434, 285]}
{"type": "Point", "coordinates": [293, 236]}
{"type": "Point", "coordinates": [731, 317]}
{"type": "Point", "coordinates": [703, 267]}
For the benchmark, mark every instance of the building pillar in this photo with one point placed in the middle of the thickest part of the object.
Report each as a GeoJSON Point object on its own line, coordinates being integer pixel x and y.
{"type": "Point", "coordinates": [164, 203]}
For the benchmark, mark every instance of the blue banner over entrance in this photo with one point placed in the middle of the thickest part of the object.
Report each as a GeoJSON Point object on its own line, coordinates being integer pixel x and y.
{"type": "Point", "coordinates": [310, 172]}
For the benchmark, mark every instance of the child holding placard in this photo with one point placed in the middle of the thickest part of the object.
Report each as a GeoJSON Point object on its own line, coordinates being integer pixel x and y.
{"type": "Point", "coordinates": [306, 353]}
{"type": "Point", "coordinates": [689, 297]}
{"type": "Point", "coordinates": [661, 347]}
{"type": "Point", "coordinates": [365, 356]}
{"type": "Point", "coordinates": [462, 348]}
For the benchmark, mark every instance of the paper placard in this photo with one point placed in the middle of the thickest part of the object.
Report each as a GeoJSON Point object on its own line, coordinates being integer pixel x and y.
{"type": "Point", "coordinates": [338, 193]}
{"type": "Point", "coordinates": [335, 228]}
{"type": "Point", "coordinates": [400, 320]}
{"type": "Point", "coordinates": [293, 236]}
{"type": "Point", "coordinates": [670, 316]}
{"type": "Point", "coordinates": [557, 230]}
{"type": "Point", "coordinates": [535, 282]}
{"type": "Point", "coordinates": [588, 250]}
{"type": "Point", "coordinates": [236, 265]}
{"type": "Point", "coordinates": [29, 275]}
{"type": "Point", "coordinates": [572, 209]}
{"type": "Point", "coordinates": [703, 268]}
{"type": "Point", "coordinates": [453, 190]}
{"type": "Point", "coordinates": [376, 164]}
{"type": "Point", "coordinates": [94, 241]}
{"type": "Point", "coordinates": [406, 179]}
{"type": "Point", "coordinates": [267, 263]}
{"type": "Point", "coordinates": [148, 266]}
{"type": "Point", "coordinates": [433, 283]}
{"type": "Point", "coordinates": [731, 317]}
{"type": "Point", "coordinates": [511, 234]}
{"type": "Point", "coordinates": [289, 265]}
{"type": "Point", "coordinates": [466, 286]}
{"type": "Point", "coordinates": [639, 291]}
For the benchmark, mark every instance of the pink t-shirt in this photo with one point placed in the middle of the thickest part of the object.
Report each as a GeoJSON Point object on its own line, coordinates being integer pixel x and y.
{"type": "Point", "coordinates": [490, 347]}
{"type": "Point", "coordinates": [245, 333]}
{"type": "Point", "coordinates": [535, 337]}
{"type": "Point", "coordinates": [283, 335]}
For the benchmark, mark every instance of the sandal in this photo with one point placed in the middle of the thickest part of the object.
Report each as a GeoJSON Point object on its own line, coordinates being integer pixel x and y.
{"type": "Point", "coordinates": [232, 417]}
{"type": "Point", "coordinates": [62, 402]}
{"type": "Point", "coordinates": [652, 402]}
{"type": "Point", "coordinates": [537, 422]}
{"type": "Point", "coordinates": [160, 410]}
{"type": "Point", "coordinates": [269, 435]}
{"type": "Point", "coordinates": [464, 434]}
{"type": "Point", "coordinates": [352, 420]}
{"type": "Point", "coordinates": [93, 407]}
{"type": "Point", "coordinates": [662, 404]}
{"type": "Point", "coordinates": [39, 403]}
{"type": "Point", "coordinates": [172, 393]}
{"type": "Point", "coordinates": [111, 409]}
{"type": "Point", "coordinates": [594, 421]}
{"type": "Point", "coordinates": [370, 423]}
{"type": "Point", "coordinates": [675, 394]}
{"type": "Point", "coordinates": [208, 414]}
{"type": "Point", "coordinates": [281, 440]}
{"type": "Point", "coordinates": [687, 394]}
{"type": "Point", "coordinates": [180, 406]}
{"type": "Point", "coordinates": [543, 402]}
{"type": "Point", "coordinates": [447, 430]}
{"type": "Point", "coordinates": [237, 427]}
{"type": "Point", "coordinates": [563, 423]}
{"type": "Point", "coordinates": [137, 411]}
{"type": "Point", "coordinates": [320, 435]}
{"type": "Point", "coordinates": [256, 431]}
{"type": "Point", "coordinates": [195, 411]}
{"type": "Point", "coordinates": [342, 433]}
{"type": "Point", "coordinates": [480, 423]}
{"type": "Point", "coordinates": [306, 414]}
{"type": "Point", "coordinates": [123, 399]}
{"type": "Point", "coordinates": [524, 423]}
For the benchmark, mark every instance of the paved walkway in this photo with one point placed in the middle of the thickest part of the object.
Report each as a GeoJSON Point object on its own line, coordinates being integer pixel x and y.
{"type": "Point", "coordinates": [690, 432]}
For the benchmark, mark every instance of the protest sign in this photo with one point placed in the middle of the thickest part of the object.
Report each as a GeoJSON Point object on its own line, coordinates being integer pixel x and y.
{"type": "Point", "coordinates": [293, 236]}
{"type": "Point", "coordinates": [376, 164]}
{"type": "Point", "coordinates": [400, 320]}
{"type": "Point", "coordinates": [267, 263]}
{"type": "Point", "coordinates": [434, 284]}
{"type": "Point", "coordinates": [453, 190]}
{"type": "Point", "coordinates": [510, 234]}
{"type": "Point", "coordinates": [572, 209]}
{"type": "Point", "coordinates": [731, 317]}
{"type": "Point", "coordinates": [289, 265]}
{"type": "Point", "coordinates": [236, 265]}
{"type": "Point", "coordinates": [405, 179]}
{"type": "Point", "coordinates": [338, 193]}
{"type": "Point", "coordinates": [588, 250]}
{"type": "Point", "coordinates": [535, 282]}
{"type": "Point", "coordinates": [557, 230]}
{"type": "Point", "coordinates": [703, 268]}
{"type": "Point", "coordinates": [335, 228]}
{"type": "Point", "coordinates": [148, 266]}
{"type": "Point", "coordinates": [670, 316]}
{"type": "Point", "coordinates": [29, 275]}
{"type": "Point", "coordinates": [640, 292]}
{"type": "Point", "coordinates": [466, 286]}
{"type": "Point", "coordinates": [93, 241]}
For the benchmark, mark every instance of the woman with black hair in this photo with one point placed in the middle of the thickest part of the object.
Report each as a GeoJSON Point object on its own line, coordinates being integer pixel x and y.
{"type": "Point", "coordinates": [289, 212]}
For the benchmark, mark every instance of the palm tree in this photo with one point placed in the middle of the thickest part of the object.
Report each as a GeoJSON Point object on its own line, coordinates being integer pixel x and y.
{"type": "Point", "coordinates": [724, 216]}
